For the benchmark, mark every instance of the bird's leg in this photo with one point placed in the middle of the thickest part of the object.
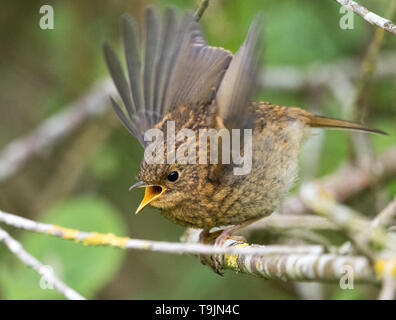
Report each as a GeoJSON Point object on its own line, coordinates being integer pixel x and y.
{"type": "Point", "coordinates": [227, 233]}
{"type": "Point", "coordinates": [221, 236]}
{"type": "Point", "coordinates": [205, 237]}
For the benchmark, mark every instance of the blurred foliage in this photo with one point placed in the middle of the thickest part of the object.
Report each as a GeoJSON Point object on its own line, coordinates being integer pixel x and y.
{"type": "Point", "coordinates": [95, 265]}
{"type": "Point", "coordinates": [43, 70]}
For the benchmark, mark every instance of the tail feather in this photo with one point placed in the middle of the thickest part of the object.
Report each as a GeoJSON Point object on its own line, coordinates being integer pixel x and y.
{"type": "Point", "coordinates": [331, 123]}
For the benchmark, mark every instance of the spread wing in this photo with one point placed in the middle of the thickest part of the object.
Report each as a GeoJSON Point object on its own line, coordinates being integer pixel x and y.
{"type": "Point", "coordinates": [239, 80]}
{"type": "Point", "coordinates": [178, 68]}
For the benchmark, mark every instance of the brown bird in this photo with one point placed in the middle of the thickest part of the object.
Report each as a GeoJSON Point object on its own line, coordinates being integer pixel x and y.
{"type": "Point", "coordinates": [197, 86]}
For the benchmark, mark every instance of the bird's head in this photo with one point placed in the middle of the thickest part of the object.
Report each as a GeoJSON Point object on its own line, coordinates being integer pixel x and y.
{"type": "Point", "coordinates": [173, 175]}
{"type": "Point", "coordinates": [169, 185]}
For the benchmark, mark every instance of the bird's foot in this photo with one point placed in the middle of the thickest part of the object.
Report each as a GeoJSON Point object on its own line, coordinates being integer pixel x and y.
{"type": "Point", "coordinates": [226, 234]}
{"type": "Point", "coordinates": [215, 261]}
{"type": "Point", "coordinates": [205, 237]}
{"type": "Point", "coordinates": [221, 236]}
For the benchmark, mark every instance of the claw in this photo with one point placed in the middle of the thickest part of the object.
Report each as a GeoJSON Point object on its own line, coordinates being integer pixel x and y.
{"type": "Point", "coordinates": [221, 237]}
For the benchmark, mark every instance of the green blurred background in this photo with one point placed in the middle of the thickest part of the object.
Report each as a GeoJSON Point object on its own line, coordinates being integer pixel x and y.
{"type": "Point", "coordinates": [83, 181]}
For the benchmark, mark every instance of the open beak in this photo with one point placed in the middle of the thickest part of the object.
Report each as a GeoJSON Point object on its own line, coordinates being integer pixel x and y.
{"type": "Point", "coordinates": [152, 192]}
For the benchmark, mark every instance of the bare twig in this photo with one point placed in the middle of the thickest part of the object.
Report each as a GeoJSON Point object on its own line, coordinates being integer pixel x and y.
{"type": "Point", "coordinates": [369, 16]}
{"type": "Point", "coordinates": [355, 226]}
{"type": "Point", "coordinates": [301, 267]}
{"type": "Point", "coordinates": [330, 75]}
{"type": "Point", "coordinates": [363, 151]}
{"type": "Point", "coordinates": [386, 216]}
{"type": "Point", "coordinates": [303, 263]}
{"type": "Point", "coordinates": [367, 69]}
{"type": "Point", "coordinates": [290, 221]}
{"type": "Point", "coordinates": [99, 239]}
{"type": "Point", "coordinates": [72, 162]}
{"type": "Point", "coordinates": [388, 282]}
{"type": "Point", "coordinates": [350, 221]}
{"type": "Point", "coordinates": [286, 262]}
{"type": "Point", "coordinates": [346, 182]}
{"type": "Point", "coordinates": [52, 130]}
{"type": "Point", "coordinates": [203, 5]}
{"type": "Point", "coordinates": [294, 266]}
{"type": "Point", "coordinates": [26, 258]}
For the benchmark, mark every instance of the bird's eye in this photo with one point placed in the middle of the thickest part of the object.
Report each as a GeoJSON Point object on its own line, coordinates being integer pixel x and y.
{"type": "Point", "coordinates": [173, 176]}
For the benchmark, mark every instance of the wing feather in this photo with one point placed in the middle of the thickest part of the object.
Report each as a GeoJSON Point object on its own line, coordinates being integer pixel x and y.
{"type": "Point", "coordinates": [132, 56]}
{"type": "Point", "coordinates": [152, 31]}
{"type": "Point", "coordinates": [240, 80]}
{"type": "Point", "coordinates": [178, 69]}
{"type": "Point", "coordinates": [119, 79]}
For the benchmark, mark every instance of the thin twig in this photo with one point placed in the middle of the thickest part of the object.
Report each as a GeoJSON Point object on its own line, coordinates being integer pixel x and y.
{"type": "Point", "coordinates": [388, 282]}
{"type": "Point", "coordinates": [386, 216]}
{"type": "Point", "coordinates": [345, 182]}
{"type": "Point", "coordinates": [72, 161]}
{"type": "Point", "coordinates": [367, 69]}
{"type": "Point", "coordinates": [301, 267]}
{"type": "Point", "coordinates": [330, 75]}
{"type": "Point", "coordinates": [17, 153]}
{"type": "Point", "coordinates": [203, 5]}
{"type": "Point", "coordinates": [100, 239]}
{"type": "Point", "coordinates": [290, 221]}
{"type": "Point", "coordinates": [369, 16]}
{"type": "Point", "coordinates": [362, 150]}
{"type": "Point", "coordinates": [294, 266]}
{"type": "Point", "coordinates": [286, 262]}
{"type": "Point", "coordinates": [355, 226]}
{"type": "Point", "coordinates": [26, 258]}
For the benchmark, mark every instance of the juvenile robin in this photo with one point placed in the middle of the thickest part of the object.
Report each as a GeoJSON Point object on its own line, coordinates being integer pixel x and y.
{"type": "Point", "coordinates": [179, 78]}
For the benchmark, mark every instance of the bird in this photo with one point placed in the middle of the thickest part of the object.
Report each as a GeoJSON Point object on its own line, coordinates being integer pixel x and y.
{"type": "Point", "coordinates": [173, 75]}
